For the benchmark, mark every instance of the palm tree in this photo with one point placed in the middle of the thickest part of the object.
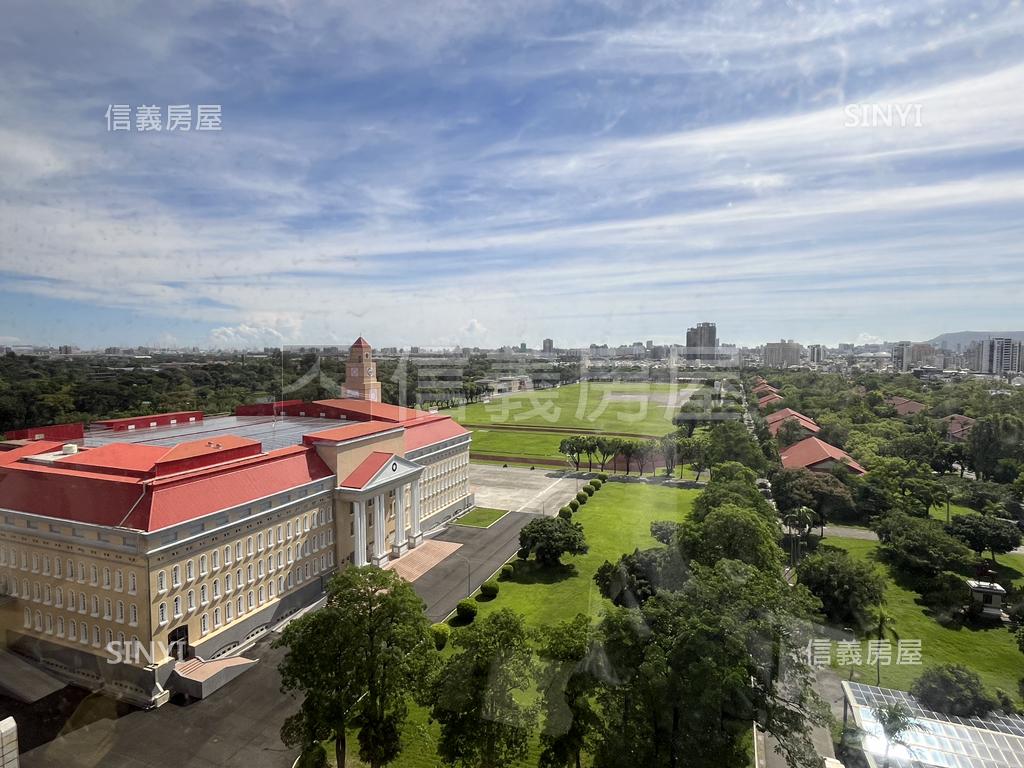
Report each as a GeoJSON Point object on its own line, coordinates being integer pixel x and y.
{"type": "Point", "coordinates": [800, 522]}
{"type": "Point", "coordinates": [895, 720]}
{"type": "Point", "coordinates": [883, 630]}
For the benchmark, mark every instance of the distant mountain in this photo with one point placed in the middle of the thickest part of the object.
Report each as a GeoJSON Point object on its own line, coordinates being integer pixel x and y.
{"type": "Point", "coordinates": [950, 340]}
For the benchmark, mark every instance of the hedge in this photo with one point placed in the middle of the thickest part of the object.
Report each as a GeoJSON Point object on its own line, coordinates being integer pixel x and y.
{"type": "Point", "coordinates": [582, 497]}
{"type": "Point", "coordinates": [603, 477]}
{"type": "Point", "coordinates": [507, 571]}
{"type": "Point", "coordinates": [574, 504]}
{"type": "Point", "coordinates": [441, 633]}
{"type": "Point", "coordinates": [466, 610]}
{"type": "Point", "coordinates": [588, 489]}
{"type": "Point", "coordinates": [313, 756]}
{"type": "Point", "coordinates": [489, 589]}
{"type": "Point", "coordinates": [565, 513]}
{"type": "Point", "coordinates": [596, 483]}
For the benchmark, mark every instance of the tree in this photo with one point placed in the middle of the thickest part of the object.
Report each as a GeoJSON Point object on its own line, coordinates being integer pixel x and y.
{"type": "Point", "coordinates": [953, 689]}
{"type": "Point", "coordinates": [588, 445]}
{"type": "Point", "coordinates": [884, 629]}
{"type": "Point", "coordinates": [636, 578]}
{"type": "Point", "coordinates": [790, 432]}
{"type": "Point", "coordinates": [981, 532]}
{"type": "Point", "coordinates": [669, 448]}
{"type": "Point", "coordinates": [730, 441]}
{"type": "Point", "coordinates": [477, 697]}
{"type": "Point", "coordinates": [628, 451]}
{"type": "Point", "coordinates": [567, 692]}
{"type": "Point", "coordinates": [798, 523]}
{"type": "Point", "coordinates": [831, 499]}
{"type": "Point", "coordinates": [850, 590]}
{"type": "Point", "coordinates": [606, 448]}
{"type": "Point", "coordinates": [918, 544]}
{"type": "Point", "coordinates": [356, 661]}
{"type": "Point", "coordinates": [571, 447]}
{"type": "Point", "coordinates": [734, 533]}
{"type": "Point", "coordinates": [548, 538]}
{"type": "Point", "coordinates": [646, 450]}
{"type": "Point", "coordinates": [895, 720]}
{"type": "Point", "coordinates": [689, 671]}
{"type": "Point", "coordinates": [992, 438]}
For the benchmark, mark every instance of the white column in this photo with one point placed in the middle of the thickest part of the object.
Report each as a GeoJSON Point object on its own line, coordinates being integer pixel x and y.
{"type": "Point", "coordinates": [380, 531]}
{"type": "Point", "coordinates": [400, 545]}
{"type": "Point", "coordinates": [359, 513]}
{"type": "Point", "coordinates": [415, 537]}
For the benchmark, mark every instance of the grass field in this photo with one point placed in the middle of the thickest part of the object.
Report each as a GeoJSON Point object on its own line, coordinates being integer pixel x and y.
{"type": "Point", "coordinates": [616, 520]}
{"type": "Point", "coordinates": [641, 409]}
{"type": "Point", "coordinates": [955, 510]}
{"type": "Point", "coordinates": [991, 652]}
{"type": "Point", "coordinates": [527, 445]}
{"type": "Point", "coordinates": [482, 517]}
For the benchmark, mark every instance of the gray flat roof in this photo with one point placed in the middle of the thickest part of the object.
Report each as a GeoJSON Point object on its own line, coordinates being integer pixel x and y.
{"type": "Point", "coordinates": [274, 433]}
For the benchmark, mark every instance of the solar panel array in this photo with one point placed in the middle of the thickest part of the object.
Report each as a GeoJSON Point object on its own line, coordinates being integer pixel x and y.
{"type": "Point", "coordinates": [273, 433]}
{"type": "Point", "coordinates": [943, 741]}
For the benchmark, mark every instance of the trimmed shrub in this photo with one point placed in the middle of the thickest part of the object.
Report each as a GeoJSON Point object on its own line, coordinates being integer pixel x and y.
{"type": "Point", "coordinates": [596, 484]}
{"type": "Point", "coordinates": [574, 504]}
{"type": "Point", "coordinates": [507, 571]}
{"type": "Point", "coordinates": [466, 610]}
{"type": "Point", "coordinates": [489, 589]}
{"type": "Point", "coordinates": [588, 489]}
{"type": "Point", "coordinates": [603, 477]}
{"type": "Point", "coordinates": [582, 497]}
{"type": "Point", "coordinates": [441, 633]}
{"type": "Point", "coordinates": [313, 756]}
{"type": "Point", "coordinates": [565, 513]}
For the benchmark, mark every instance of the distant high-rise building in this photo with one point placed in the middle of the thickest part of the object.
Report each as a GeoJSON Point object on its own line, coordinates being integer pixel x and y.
{"type": "Point", "coordinates": [816, 353]}
{"type": "Point", "coordinates": [522, 346]}
{"type": "Point", "coordinates": [781, 354]}
{"type": "Point", "coordinates": [549, 346]}
{"type": "Point", "coordinates": [998, 355]}
{"type": "Point", "coordinates": [901, 358]}
{"type": "Point", "coordinates": [702, 342]}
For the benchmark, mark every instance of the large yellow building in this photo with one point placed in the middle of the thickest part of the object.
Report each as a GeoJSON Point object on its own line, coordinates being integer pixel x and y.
{"type": "Point", "coordinates": [177, 536]}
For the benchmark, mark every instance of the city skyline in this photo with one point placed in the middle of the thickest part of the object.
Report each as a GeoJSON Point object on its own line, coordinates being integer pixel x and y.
{"type": "Point", "coordinates": [476, 175]}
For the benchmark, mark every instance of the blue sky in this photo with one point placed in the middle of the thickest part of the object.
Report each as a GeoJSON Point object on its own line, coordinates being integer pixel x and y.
{"type": "Point", "coordinates": [482, 173]}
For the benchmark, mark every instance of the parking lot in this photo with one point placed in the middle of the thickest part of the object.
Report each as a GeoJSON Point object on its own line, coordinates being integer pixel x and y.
{"type": "Point", "coordinates": [522, 490]}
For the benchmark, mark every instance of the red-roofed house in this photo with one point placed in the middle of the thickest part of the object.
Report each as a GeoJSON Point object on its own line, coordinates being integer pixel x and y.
{"type": "Point", "coordinates": [764, 388]}
{"type": "Point", "coordinates": [958, 427]}
{"type": "Point", "coordinates": [193, 533]}
{"type": "Point", "coordinates": [818, 456]}
{"type": "Point", "coordinates": [768, 399]}
{"type": "Point", "coordinates": [904, 406]}
{"type": "Point", "coordinates": [775, 421]}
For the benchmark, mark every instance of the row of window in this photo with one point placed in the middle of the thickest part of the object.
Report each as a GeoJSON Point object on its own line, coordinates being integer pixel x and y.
{"type": "Point", "coordinates": [254, 545]}
{"type": "Point", "coordinates": [45, 594]}
{"type": "Point", "coordinates": [243, 603]}
{"type": "Point", "coordinates": [78, 632]}
{"type": "Point", "coordinates": [67, 569]}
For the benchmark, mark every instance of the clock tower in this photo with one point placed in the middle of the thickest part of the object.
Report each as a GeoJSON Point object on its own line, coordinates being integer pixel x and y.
{"type": "Point", "coordinates": [360, 373]}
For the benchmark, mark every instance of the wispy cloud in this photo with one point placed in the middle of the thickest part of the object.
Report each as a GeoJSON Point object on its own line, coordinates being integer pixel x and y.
{"type": "Point", "coordinates": [480, 174]}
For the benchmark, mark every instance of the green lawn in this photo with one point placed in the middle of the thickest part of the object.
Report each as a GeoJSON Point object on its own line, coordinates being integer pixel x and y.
{"type": "Point", "coordinates": [646, 409]}
{"type": "Point", "coordinates": [991, 652]}
{"type": "Point", "coordinates": [955, 510]}
{"type": "Point", "coordinates": [616, 520]}
{"type": "Point", "coordinates": [482, 517]}
{"type": "Point", "coordinates": [525, 444]}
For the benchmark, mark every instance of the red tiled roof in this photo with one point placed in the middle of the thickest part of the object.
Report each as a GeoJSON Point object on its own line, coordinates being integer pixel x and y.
{"type": "Point", "coordinates": [118, 458]}
{"type": "Point", "coordinates": [431, 430]}
{"type": "Point", "coordinates": [367, 410]}
{"type": "Point", "coordinates": [775, 420]}
{"type": "Point", "coordinates": [812, 451]}
{"type": "Point", "coordinates": [361, 343]}
{"type": "Point", "coordinates": [366, 471]}
{"type": "Point", "coordinates": [764, 386]}
{"type": "Point", "coordinates": [29, 449]}
{"type": "Point", "coordinates": [768, 399]}
{"type": "Point", "coordinates": [351, 431]}
{"type": "Point", "coordinates": [149, 504]}
{"type": "Point", "coordinates": [904, 406]}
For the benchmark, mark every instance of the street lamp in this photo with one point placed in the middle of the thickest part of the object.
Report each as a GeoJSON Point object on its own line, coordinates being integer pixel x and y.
{"type": "Point", "coordinates": [469, 572]}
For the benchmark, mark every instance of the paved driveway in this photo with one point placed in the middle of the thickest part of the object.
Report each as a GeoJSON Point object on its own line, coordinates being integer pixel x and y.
{"type": "Point", "coordinates": [522, 490]}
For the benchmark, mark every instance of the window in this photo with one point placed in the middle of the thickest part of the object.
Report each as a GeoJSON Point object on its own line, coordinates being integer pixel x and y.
{"type": "Point", "coordinates": [260, 595]}
{"type": "Point", "coordinates": [72, 630]}
{"type": "Point", "coordinates": [120, 612]}
{"type": "Point", "coordinates": [177, 607]}
{"type": "Point", "coordinates": [93, 575]}
{"type": "Point", "coordinates": [60, 626]}
{"type": "Point", "coordinates": [106, 609]}
{"type": "Point", "coordinates": [133, 614]}
{"type": "Point", "coordinates": [280, 560]}
{"type": "Point", "coordinates": [161, 582]}
{"type": "Point", "coordinates": [216, 617]}
{"type": "Point", "coordinates": [191, 600]}
{"type": "Point", "coordinates": [216, 588]}
{"type": "Point", "coordinates": [189, 573]}
{"type": "Point", "coordinates": [227, 582]}
{"type": "Point", "coordinates": [202, 595]}
{"type": "Point", "coordinates": [49, 624]}
{"type": "Point", "coordinates": [176, 576]}
{"type": "Point", "coordinates": [95, 606]}
{"type": "Point", "coordinates": [202, 565]}
{"type": "Point", "coordinates": [248, 546]}
{"type": "Point", "coordinates": [238, 550]}
{"type": "Point", "coordinates": [215, 559]}
{"type": "Point", "coordinates": [270, 588]}
{"type": "Point", "coordinates": [288, 530]}
{"type": "Point", "coordinates": [259, 569]}
{"type": "Point", "coordinates": [132, 585]}
{"type": "Point", "coordinates": [106, 578]}
{"type": "Point", "coordinates": [84, 636]}
{"type": "Point", "coordinates": [81, 602]}
{"type": "Point", "coordinates": [227, 611]}
{"type": "Point", "coordinates": [163, 613]}
{"type": "Point", "coordinates": [248, 574]}
{"type": "Point", "coordinates": [81, 573]}
{"type": "Point", "coordinates": [46, 566]}
{"type": "Point", "coordinates": [96, 635]}
{"type": "Point", "coordinates": [204, 624]}
{"type": "Point", "coordinates": [250, 600]}
{"type": "Point", "coordinates": [119, 580]}
{"type": "Point", "coordinates": [241, 608]}
{"type": "Point", "coordinates": [259, 542]}
{"type": "Point", "coordinates": [227, 555]}
{"type": "Point", "coordinates": [28, 618]}
{"type": "Point", "coordinates": [71, 570]}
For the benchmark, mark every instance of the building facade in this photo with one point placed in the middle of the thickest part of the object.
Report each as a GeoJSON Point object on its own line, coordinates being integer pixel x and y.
{"type": "Point", "coordinates": [149, 544]}
{"type": "Point", "coordinates": [781, 354]}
